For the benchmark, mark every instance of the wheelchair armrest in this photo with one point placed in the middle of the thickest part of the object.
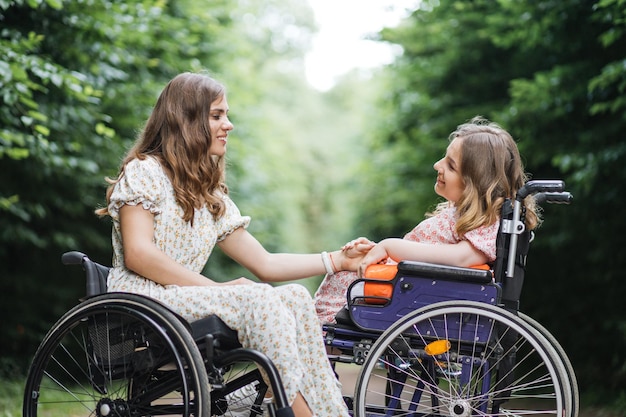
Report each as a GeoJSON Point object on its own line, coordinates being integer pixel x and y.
{"type": "Point", "coordinates": [95, 274]}
{"type": "Point", "coordinates": [446, 272]}
{"type": "Point", "coordinates": [73, 258]}
{"type": "Point", "coordinates": [377, 286]}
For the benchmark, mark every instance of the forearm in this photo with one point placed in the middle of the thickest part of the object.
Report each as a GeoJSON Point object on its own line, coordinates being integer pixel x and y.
{"type": "Point", "coordinates": [280, 267]}
{"type": "Point", "coordinates": [456, 254]}
{"type": "Point", "coordinates": [152, 263]}
{"type": "Point", "coordinates": [243, 248]}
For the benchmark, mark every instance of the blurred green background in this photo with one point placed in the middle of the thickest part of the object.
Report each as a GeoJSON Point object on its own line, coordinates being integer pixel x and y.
{"type": "Point", "coordinates": [317, 168]}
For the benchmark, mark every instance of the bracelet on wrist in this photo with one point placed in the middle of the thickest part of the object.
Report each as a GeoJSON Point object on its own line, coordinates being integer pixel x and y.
{"type": "Point", "coordinates": [332, 263]}
{"type": "Point", "coordinates": [327, 263]}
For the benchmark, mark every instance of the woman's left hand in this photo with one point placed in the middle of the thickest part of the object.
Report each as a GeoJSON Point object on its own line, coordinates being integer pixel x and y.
{"type": "Point", "coordinates": [378, 254]}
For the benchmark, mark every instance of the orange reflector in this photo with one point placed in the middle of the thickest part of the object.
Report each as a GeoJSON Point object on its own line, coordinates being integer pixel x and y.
{"type": "Point", "coordinates": [437, 347]}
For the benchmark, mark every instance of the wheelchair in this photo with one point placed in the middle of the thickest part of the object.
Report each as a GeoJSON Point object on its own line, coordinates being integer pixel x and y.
{"type": "Point", "coordinates": [122, 354]}
{"type": "Point", "coordinates": [435, 340]}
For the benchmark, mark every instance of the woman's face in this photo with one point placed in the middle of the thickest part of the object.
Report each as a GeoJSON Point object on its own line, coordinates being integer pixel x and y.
{"type": "Point", "coordinates": [449, 183]}
{"type": "Point", "coordinates": [219, 126]}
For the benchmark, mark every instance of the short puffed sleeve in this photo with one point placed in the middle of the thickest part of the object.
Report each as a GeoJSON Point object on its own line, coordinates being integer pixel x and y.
{"type": "Point", "coordinates": [231, 220]}
{"type": "Point", "coordinates": [484, 239]}
{"type": "Point", "coordinates": [143, 182]}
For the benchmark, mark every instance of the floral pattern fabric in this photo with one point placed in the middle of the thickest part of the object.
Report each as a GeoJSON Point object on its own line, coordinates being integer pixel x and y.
{"type": "Point", "coordinates": [330, 297]}
{"type": "Point", "coordinates": [278, 321]}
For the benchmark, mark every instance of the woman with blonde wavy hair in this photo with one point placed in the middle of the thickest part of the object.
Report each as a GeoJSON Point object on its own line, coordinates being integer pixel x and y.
{"type": "Point", "coordinates": [169, 207]}
{"type": "Point", "coordinates": [482, 167]}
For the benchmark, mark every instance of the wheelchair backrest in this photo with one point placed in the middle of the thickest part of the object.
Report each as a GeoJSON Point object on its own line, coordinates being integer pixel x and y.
{"type": "Point", "coordinates": [511, 286]}
{"type": "Point", "coordinates": [512, 232]}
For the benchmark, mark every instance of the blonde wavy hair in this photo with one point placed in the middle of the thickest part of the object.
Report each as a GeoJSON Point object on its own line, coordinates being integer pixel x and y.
{"type": "Point", "coordinates": [492, 171]}
{"type": "Point", "coordinates": [177, 134]}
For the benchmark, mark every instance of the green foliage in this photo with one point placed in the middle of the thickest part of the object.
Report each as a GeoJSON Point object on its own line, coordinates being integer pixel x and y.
{"type": "Point", "coordinates": [291, 155]}
{"type": "Point", "coordinates": [11, 393]}
{"type": "Point", "coordinates": [79, 77]}
{"type": "Point", "coordinates": [67, 115]}
{"type": "Point", "coordinates": [552, 73]}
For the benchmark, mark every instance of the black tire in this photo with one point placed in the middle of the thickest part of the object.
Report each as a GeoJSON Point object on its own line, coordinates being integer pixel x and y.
{"type": "Point", "coordinates": [571, 375]}
{"type": "Point", "coordinates": [489, 362]}
{"type": "Point", "coordinates": [117, 354]}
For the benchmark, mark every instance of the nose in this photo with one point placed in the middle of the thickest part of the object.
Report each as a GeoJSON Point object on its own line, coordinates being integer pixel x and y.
{"type": "Point", "coordinates": [436, 165]}
{"type": "Point", "coordinates": [227, 126]}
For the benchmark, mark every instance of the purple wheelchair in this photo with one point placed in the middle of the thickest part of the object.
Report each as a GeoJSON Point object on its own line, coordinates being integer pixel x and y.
{"type": "Point", "coordinates": [445, 341]}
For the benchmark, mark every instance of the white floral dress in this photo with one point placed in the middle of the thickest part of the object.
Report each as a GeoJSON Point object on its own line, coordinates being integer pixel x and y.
{"type": "Point", "coordinates": [330, 297]}
{"type": "Point", "coordinates": [278, 321]}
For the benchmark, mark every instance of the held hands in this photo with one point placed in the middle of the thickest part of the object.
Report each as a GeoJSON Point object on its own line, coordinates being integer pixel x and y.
{"type": "Point", "coordinates": [353, 252]}
{"type": "Point", "coordinates": [358, 247]}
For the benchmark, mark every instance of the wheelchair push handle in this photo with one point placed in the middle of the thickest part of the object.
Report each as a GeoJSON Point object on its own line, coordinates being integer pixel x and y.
{"type": "Point", "coordinates": [549, 191]}
{"type": "Point", "coordinates": [554, 198]}
{"type": "Point", "coordinates": [540, 186]}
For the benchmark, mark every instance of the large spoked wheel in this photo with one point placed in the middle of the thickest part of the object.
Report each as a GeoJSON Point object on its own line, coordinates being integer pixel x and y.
{"type": "Point", "coordinates": [462, 358]}
{"type": "Point", "coordinates": [117, 355]}
{"type": "Point", "coordinates": [569, 369]}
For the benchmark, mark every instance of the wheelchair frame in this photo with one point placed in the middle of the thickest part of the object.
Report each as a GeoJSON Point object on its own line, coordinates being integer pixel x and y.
{"type": "Point", "coordinates": [449, 342]}
{"type": "Point", "coordinates": [122, 354]}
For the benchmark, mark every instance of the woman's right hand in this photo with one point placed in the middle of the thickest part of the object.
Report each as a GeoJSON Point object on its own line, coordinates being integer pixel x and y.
{"type": "Point", "coordinates": [353, 252]}
{"type": "Point", "coordinates": [357, 247]}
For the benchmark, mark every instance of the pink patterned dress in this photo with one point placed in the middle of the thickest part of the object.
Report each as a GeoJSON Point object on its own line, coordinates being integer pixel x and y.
{"type": "Point", "coordinates": [439, 229]}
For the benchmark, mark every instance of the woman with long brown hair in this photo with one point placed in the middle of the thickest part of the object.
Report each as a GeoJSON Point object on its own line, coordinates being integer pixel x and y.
{"type": "Point", "coordinates": [170, 206]}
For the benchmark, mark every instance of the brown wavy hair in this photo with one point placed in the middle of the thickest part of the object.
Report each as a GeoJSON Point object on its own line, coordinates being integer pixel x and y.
{"type": "Point", "coordinates": [177, 134]}
{"type": "Point", "coordinates": [492, 171]}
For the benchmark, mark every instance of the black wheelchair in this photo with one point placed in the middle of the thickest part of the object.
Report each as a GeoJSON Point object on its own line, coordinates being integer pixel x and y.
{"type": "Point", "coordinates": [445, 341]}
{"type": "Point", "coordinates": [121, 354]}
